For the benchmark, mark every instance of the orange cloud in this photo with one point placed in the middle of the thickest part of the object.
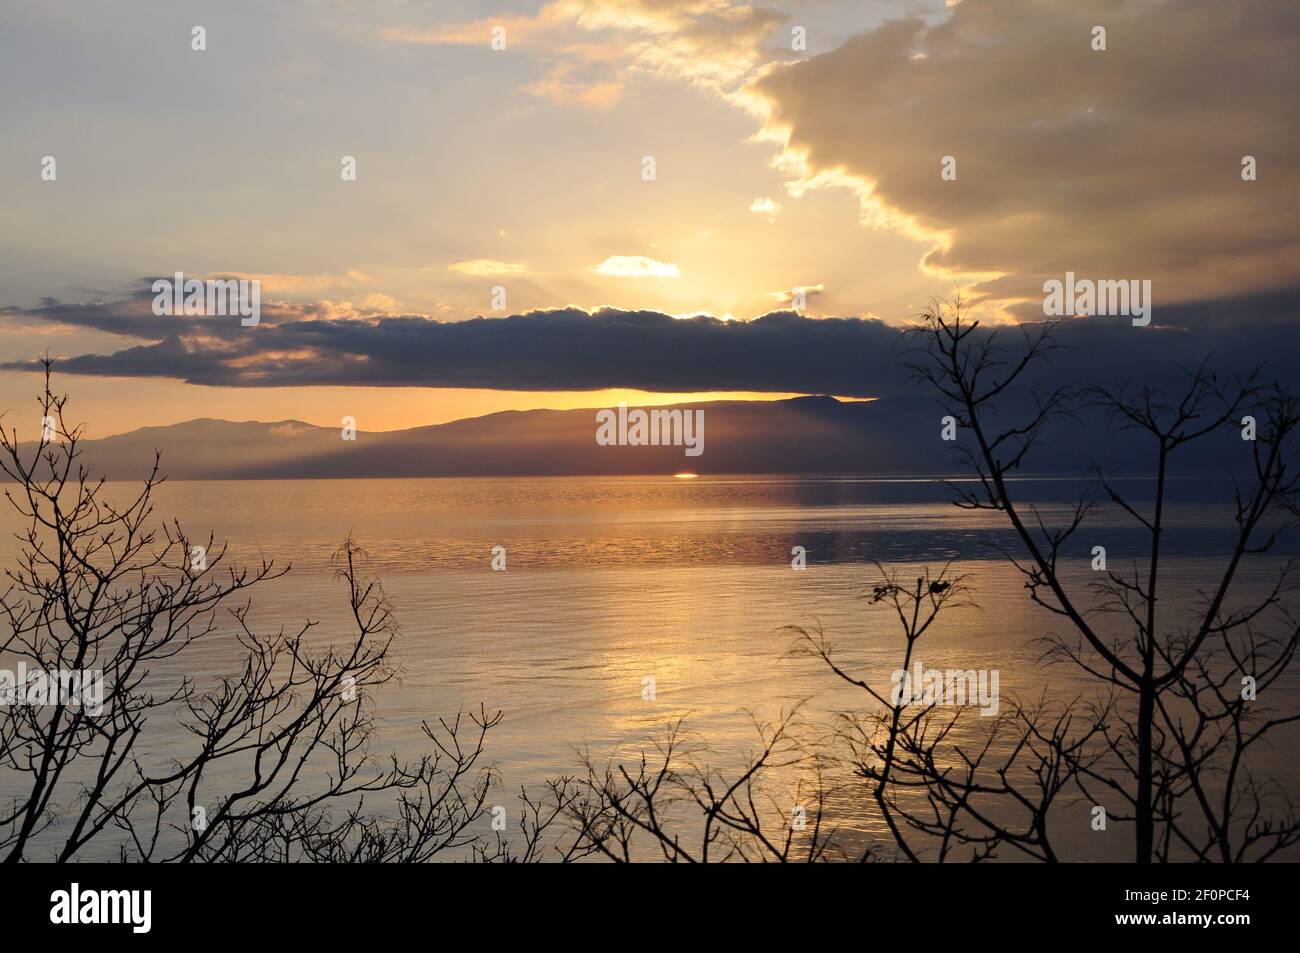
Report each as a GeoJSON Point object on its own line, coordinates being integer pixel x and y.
{"type": "Point", "coordinates": [593, 45]}
{"type": "Point", "coordinates": [636, 266]}
{"type": "Point", "coordinates": [486, 267]}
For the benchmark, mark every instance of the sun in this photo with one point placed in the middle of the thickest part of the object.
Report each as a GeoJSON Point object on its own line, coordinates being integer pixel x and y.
{"type": "Point", "coordinates": [685, 476]}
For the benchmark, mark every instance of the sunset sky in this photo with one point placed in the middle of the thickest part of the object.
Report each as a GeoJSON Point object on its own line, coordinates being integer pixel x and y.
{"type": "Point", "coordinates": [775, 168]}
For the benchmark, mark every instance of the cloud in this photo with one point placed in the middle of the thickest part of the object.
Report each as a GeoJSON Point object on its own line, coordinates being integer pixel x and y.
{"type": "Point", "coordinates": [299, 284]}
{"type": "Point", "coordinates": [1117, 164]}
{"type": "Point", "coordinates": [565, 83]}
{"type": "Point", "coordinates": [571, 349]}
{"type": "Point", "coordinates": [487, 267]}
{"type": "Point", "coordinates": [765, 206]}
{"type": "Point", "coordinates": [636, 266]}
{"type": "Point", "coordinates": [589, 48]}
{"type": "Point", "coordinates": [809, 291]}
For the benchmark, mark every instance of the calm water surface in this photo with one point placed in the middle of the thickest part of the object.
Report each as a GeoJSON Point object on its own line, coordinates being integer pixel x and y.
{"type": "Point", "coordinates": [610, 580]}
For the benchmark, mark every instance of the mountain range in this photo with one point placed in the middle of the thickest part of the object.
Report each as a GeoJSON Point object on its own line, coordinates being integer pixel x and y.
{"type": "Point", "coordinates": [803, 435]}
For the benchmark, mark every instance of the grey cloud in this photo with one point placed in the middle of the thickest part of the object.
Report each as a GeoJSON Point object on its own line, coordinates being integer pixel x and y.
{"type": "Point", "coordinates": [1117, 164]}
{"type": "Point", "coordinates": [570, 349]}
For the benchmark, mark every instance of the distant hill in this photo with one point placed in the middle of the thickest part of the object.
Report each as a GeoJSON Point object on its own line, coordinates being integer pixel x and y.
{"type": "Point", "coordinates": [805, 435]}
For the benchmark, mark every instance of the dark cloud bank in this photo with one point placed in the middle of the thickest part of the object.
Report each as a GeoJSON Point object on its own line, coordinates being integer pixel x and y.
{"type": "Point", "coordinates": [570, 349]}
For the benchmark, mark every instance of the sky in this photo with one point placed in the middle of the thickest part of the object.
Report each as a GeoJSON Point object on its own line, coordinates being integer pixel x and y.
{"type": "Point", "coordinates": [795, 146]}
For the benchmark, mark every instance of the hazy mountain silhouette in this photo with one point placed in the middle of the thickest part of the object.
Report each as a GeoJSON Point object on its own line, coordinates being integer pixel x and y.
{"type": "Point", "coordinates": [890, 436]}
